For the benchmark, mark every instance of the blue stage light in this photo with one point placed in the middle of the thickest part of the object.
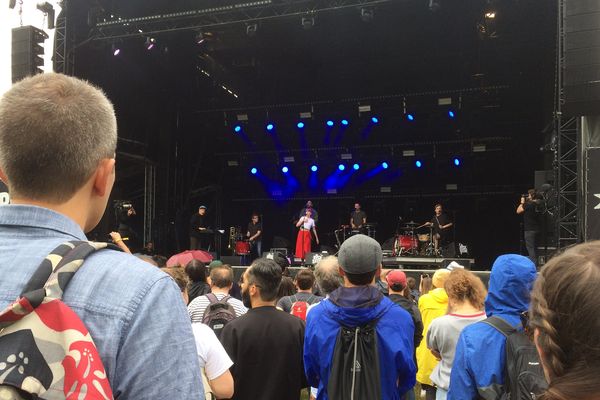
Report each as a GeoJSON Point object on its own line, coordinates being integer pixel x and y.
{"type": "Point", "coordinates": [253, 171]}
{"type": "Point", "coordinates": [237, 129]}
{"type": "Point", "coordinates": [384, 165]}
{"type": "Point", "coordinates": [314, 168]}
{"type": "Point", "coordinates": [418, 164]}
{"type": "Point", "coordinates": [341, 167]}
{"type": "Point", "coordinates": [375, 120]}
{"type": "Point", "coordinates": [410, 117]}
{"type": "Point", "coordinates": [356, 167]}
{"type": "Point", "coordinates": [451, 114]}
{"type": "Point", "coordinates": [330, 123]}
{"type": "Point", "coordinates": [457, 161]}
{"type": "Point", "coordinates": [300, 125]}
{"type": "Point", "coordinates": [270, 127]}
{"type": "Point", "coordinates": [345, 122]}
{"type": "Point", "coordinates": [285, 170]}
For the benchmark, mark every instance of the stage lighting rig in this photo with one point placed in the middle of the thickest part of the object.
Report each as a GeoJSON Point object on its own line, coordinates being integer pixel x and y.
{"type": "Point", "coordinates": [48, 11]}
{"type": "Point", "coordinates": [367, 14]}
{"type": "Point", "coordinates": [251, 29]}
{"type": "Point", "coordinates": [308, 23]}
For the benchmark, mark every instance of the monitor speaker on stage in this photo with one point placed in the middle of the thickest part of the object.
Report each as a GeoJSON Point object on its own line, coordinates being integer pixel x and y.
{"type": "Point", "coordinates": [232, 260]}
{"type": "Point", "coordinates": [581, 52]}
{"type": "Point", "coordinates": [314, 258]}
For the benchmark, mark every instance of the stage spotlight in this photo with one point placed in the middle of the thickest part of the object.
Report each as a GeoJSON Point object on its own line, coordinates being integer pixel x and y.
{"type": "Point", "coordinates": [451, 114]}
{"type": "Point", "coordinates": [418, 164]}
{"type": "Point", "coordinates": [314, 168]}
{"type": "Point", "coordinates": [375, 120]}
{"type": "Point", "coordinates": [367, 14]}
{"type": "Point", "coordinates": [330, 123]}
{"type": "Point", "coordinates": [199, 38]}
{"type": "Point", "coordinates": [150, 43]}
{"type": "Point", "coordinates": [253, 171]}
{"type": "Point", "coordinates": [270, 127]}
{"type": "Point", "coordinates": [410, 117]}
{"type": "Point", "coordinates": [384, 165]}
{"type": "Point", "coordinates": [356, 167]}
{"type": "Point", "coordinates": [456, 161]}
{"type": "Point", "coordinates": [300, 125]}
{"type": "Point", "coordinates": [345, 122]}
{"type": "Point", "coordinates": [251, 29]}
{"type": "Point", "coordinates": [237, 128]}
{"type": "Point", "coordinates": [308, 22]}
{"type": "Point", "coordinates": [341, 167]}
{"type": "Point", "coordinates": [115, 50]}
{"type": "Point", "coordinates": [285, 170]}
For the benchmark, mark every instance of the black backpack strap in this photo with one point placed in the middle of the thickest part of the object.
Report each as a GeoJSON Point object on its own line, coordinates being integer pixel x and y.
{"type": "Point", "coordinates": [211, 298]}
{"type": "Point", "coordinates": [225, 299]}
{"type": "Point", "coordinates": [500, 325]}
{"type": "Point", "coordinates": [54, 273]}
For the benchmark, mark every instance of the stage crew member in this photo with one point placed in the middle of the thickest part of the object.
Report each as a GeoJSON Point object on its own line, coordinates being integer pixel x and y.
{"type": "Point", "coordinates": [306, 224]}
{"type": "Point", "coordinates": [254, 235]}
{"type": "Point", "coordinates": [198, 227]}
{"type": "Point", "coordinates": [531, 223]}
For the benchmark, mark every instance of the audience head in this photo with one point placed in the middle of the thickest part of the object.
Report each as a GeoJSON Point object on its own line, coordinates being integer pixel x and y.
{"type": "Point", "coordinates": [509, 288]}
{"type": "Point", "coordinates": [221, 277]}
{"type": "Point", "coordinates": [360, 260]}
{"type": "Point", "coordinates": [196, 270]}
{"type": "Point", "coordinates": [261, 283]}
{"type": "Point", "coordinates": [564, 317]}
{"type": "Point", "coordinates": [287, 287]}
{"type": "Point", "coordinates": [305, 279]}
{"type": "Point", "coordinates": [180, 279]}
{"type": "Point", "coordinates": [411, 282]}
{"type": "Point", "coordinates": [58, 137]}
{"type": "Point", "coordinates": [463, 286]}
{"type": "Point", "coordinates": [148, 259]}
{"type": "Point", "coordinates": [327, 274]}
{"type": "Point", "coordinates": [281, 260]}
{"type": "Point", "coordinates": [439, 278]}
{"type": "Point", "coordinates": [161, 261]}
{"type": "Point", "coordinates": [425, 285]}
{"type": "Point", "coordinates": [396, 281]}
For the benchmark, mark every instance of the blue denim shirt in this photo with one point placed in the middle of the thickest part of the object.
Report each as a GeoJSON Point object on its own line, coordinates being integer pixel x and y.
{"type": "Point", "coordinates": [134, 312]}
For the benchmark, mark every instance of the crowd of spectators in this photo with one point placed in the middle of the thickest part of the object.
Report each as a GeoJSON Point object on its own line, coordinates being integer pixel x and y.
{"type": "Point", "coordinates": [58, 140]}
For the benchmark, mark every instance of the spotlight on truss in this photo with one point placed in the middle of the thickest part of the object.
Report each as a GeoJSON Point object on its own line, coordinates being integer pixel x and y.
{"type": "Point", "coordinates": [308, 22]}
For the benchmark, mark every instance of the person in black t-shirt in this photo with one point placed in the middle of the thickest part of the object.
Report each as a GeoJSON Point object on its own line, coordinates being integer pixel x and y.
{"type": "Point", "coordinates": [198, 227]}
{"type": "Point", "coordinates": [531, 223]}
{"type": "Point", "coordinates": [441, 227]}
{"type": "Point", "coordinates": [265, 344]}
{"type": "Point", "coordinates": [254, 235]}
{"type": "Point", "coordinates": [358, 218]}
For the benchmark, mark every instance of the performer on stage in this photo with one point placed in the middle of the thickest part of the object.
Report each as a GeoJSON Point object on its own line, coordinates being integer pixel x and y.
{"type": "Point", "coordinates": [358, 218]}
{"type": "Point", "coordinates": [254, 235]}
{"type": "Point", "coordinates": [198, 227]}
{"type": "Point", "coordinates": [306, 224]}
{"type": "Point", "coordinates": [441, 227]}
{"type": "Point", "coordinates": [309, 206]}
{"type": "Point", "coordinates": [531, 223]}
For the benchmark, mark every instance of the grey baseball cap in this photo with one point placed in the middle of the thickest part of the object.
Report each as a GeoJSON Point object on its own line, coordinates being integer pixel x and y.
{"type": "Point", "coordinates": [360, 254]}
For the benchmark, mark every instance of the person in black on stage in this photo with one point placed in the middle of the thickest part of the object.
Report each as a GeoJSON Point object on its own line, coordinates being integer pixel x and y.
{"type": "Point", "coordinates": [531, 221]}
{"type": "Point", "coordinates": [358, 218]}
{"type": "Point", "coordinates": [198, 228]}
{"type": "Point", "coordinates": [313, 212]}
{"type": "Point", "coordinates": [441, 227]}
{"type": "Point", "coordinates": [254, 235]}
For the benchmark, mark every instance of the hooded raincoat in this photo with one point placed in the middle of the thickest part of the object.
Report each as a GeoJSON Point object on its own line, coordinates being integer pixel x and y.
{"type": "Point", "coordinates": [478, 368]}
{"type": "Point", "coordinates": [355, 307]}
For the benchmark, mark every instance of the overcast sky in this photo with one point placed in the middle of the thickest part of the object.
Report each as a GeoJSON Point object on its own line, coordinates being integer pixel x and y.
{"type": "Point", "coordinates": [9, 18]}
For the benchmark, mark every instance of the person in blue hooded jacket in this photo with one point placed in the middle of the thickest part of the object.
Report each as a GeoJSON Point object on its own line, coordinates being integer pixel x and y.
{"type": "Point", "coordinates": [478, 368]}
{"type": "Point", "coordinates": [355, 304]}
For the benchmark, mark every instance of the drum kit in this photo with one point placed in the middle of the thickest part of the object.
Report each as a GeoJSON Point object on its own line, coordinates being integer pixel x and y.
{"type": "Point", "coordinates": [409, 242]}
{"type": "Point", "coordinates": [345, 231]}
{"type": "Point", "coordinates": [238, 242]}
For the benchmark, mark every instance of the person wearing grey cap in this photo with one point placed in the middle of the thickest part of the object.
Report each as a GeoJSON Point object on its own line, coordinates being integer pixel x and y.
{"type": "Point", "coordinates": [198, 226]}
{"type": "Point", "coordinates": [359, 304]}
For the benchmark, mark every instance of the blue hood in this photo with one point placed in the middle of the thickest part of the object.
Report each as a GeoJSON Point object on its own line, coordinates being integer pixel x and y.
{"type": "Point", "coordinates": [357, 305]}
{"type": "Point", "coordinates": [510, 285]}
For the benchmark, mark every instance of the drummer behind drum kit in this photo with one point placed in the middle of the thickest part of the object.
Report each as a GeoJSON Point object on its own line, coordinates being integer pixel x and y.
{"type": "Point", "coordinates": [238, 242]}
{"type": "Point", "coordinates": [412, 243]}
{"type": "Point", "coordinates": [345, 232]}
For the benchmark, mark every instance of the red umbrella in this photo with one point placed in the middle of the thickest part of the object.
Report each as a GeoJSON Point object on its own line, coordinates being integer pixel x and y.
{"type": "Point", "coordinates": [189, 255]}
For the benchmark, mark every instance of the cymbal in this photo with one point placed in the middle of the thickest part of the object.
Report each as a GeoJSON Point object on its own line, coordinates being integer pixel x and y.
{"type": "Point", "coordinates": [411, 223]}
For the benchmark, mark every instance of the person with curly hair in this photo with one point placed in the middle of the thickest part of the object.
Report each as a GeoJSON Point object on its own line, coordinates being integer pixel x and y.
{"type": "Point", "coordinates": [564, 319]}
{"type": "Point", "coordinates": [466, 294]}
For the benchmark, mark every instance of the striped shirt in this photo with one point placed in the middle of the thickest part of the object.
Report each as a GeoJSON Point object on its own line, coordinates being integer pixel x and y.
{"type": "Point", "coordinates": [198, 306]}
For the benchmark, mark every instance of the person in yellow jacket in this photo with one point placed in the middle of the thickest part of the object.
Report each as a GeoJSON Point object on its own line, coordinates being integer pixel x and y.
{"type": "Point", "coordinates": [431, 305]}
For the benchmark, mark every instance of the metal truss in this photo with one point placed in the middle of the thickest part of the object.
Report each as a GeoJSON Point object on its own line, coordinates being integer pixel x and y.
{"type": "Point", "coordinates": [63, 59]}
{"type": "Point", "coordinates": [566, 154]}
{"type": "Point", "coordinates": [209, 18]}
{"type": "Point", "coordinates": [149, 201]}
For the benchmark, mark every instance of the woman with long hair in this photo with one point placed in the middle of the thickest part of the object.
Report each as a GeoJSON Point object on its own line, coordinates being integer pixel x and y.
{"type": "Point", "coordinates": [565, 319]}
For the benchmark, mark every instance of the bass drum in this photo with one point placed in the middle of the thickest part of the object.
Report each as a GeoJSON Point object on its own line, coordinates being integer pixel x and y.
{"type": "Point", "coordinates": [242, 248]}
{"type": "Point", "coordinates": [405, 244]}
